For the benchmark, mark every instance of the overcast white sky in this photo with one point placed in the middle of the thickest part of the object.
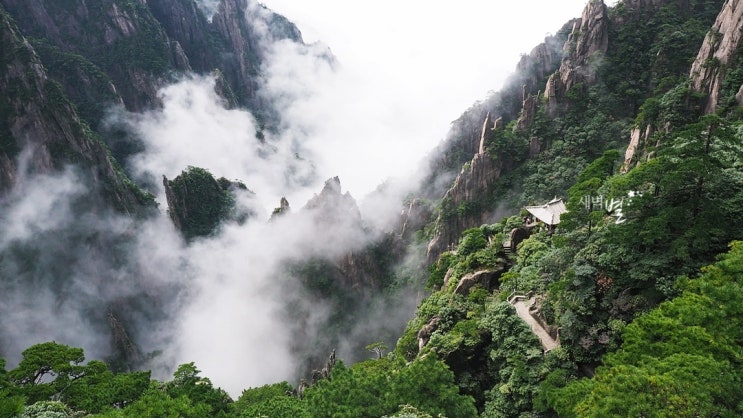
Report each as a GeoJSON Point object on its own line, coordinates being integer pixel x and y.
{"type": "Point", "coordinates": [421, 63]}
{"type": "Point", "coordinates": [451, 53]}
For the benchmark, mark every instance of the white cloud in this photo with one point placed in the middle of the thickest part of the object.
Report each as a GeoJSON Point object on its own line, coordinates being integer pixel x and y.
{"type": "Point", "coordinates": [195, 129]}
{"type": "Point", "coordinates": [39, 204]}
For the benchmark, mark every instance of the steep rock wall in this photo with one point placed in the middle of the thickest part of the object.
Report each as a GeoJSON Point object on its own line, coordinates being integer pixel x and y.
{"type": "Point", "coordinates": [718, 53]}
{"type": "Point", "coordinates": [536, 67]}
{"type": "Point", "coordinates": [41, 131]}
{"type": "Point", "coordinates": [185, 24]}
{"type": "Point", "coordinates": [518, 100]}
{"type": "Point", "coordinates": [472, 182]}
{"type": "Point", "coordinates": [245, 31]}
{"type": "Point", "coordinates": [138, 47]}
{"type": "Point", "coordinates": [707, 74]}
{"type": "Point", "coordinates": [338, 219]}
{"type": "Point", "coordinates": [463, 138]}
{"type": "Point", "coordinates": [638, 141]}
{"type": "Point", "coordinates": [122, 38]}
{"type": "Point", "coordinates": [587, 42]}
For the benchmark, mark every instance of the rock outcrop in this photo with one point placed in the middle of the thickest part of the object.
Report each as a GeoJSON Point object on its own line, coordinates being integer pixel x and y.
{"type": "Point", "coordinates": [360, 270]}
{"type": "Point", "coordinates": [337, 218]}
{"type": "Point", "coordinates": [246, 30]}
{"type": "Point", "coordinates": [198, 203]}
{"type": "Point", "coordinates": [459, 210]}
{"type": "Point", "coordinates": [417, 215]}
{"type": "Point", "coordinates": [707, 75]}
{"type": "Point", "coordinates": [485, 278]}
{"type": "Point", "coordinates": [282, 210]}
{"type": "Point", "coordinates": [536, 67]}
{"type": "Point", "coordinates": [718, 53]}
{"type": "Point", "coordinates": [519, 99]}
{"type": "Point", "coordinates": [186, 26]}
{"type": "Point", "coordinates": [463, 139]}
{"type": "Point", "coordinates": [586, 45]}
{"type": "Point", "coordinates": [129, 352]}
{"type": "Point", "coordinates": [528, 112]}
{"type": "Point", "coordinates": [332, 204]}
{"type": "Point", "coordinates": [638, 142]}
{"type": "Point", "coordinates": [424, 334]}
{"type": "Point", "coordinates": [243, 48]}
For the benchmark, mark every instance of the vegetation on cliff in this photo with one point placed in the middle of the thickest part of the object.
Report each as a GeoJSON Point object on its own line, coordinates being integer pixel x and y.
{"type": "Point", "coordinates": [198, 203]}
{"type": "Point", "coordinates": [637, 289]}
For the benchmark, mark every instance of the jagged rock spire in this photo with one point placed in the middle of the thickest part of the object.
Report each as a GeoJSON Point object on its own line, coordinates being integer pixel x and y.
{"type": "Point", "coordinates": [588, 39]}
{"type": "Point", "coordinates": [483, 135]}
{"type": "Point", "coordinates": [282, 210]}
{"type": "Point", "coordinates": [472, 181]}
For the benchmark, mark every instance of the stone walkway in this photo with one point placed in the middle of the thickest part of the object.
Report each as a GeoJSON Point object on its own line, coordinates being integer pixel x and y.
{"type": "Point", "coordinates": [522, 310]}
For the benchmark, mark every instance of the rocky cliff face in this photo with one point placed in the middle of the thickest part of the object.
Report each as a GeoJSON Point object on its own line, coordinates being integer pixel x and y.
{"type": "Point", "coordinates": [337, 220]}
{"type": "Point", "coordinates": [639, 137]}
{"type": "Point", "coordinates": [718, 54]}
{"type": "Point", "coordinates": [41, 131]}
{"type": "Point", "coordinates": [459, 207]}
{"type": "Point", "coordinates": [125, 51]}
{"type": "Point", "coordinates": [708, 74]}
{"type": "Point", "coordinates": [363, 257]}
{"type": "Point", "coordinates": [121, 38]}
{"type": "Point", "coordinates": [283, 209]}
{"type": "Point", "coordinates": [561, 62]}
{"type": "Point", "coordinates": [186, 25]}
{"type": "Point", "coordinates": [515, 100]}
{"type": "Point", "coordinates": [94, 54]}
{"type": "Point", "coordinates": [246, 29]}
{"type": "Point", "coordinates": [413, 218]}
{"type": "Point", "coordinates": [539, 64]}
{"type": "Point", "coordinates": [586, 44]}
{"type": "Point", "coordinates": [119, 53]}
{"type": "Point", "coordinates": [565, 58]}
{"type": "Point", "coordinates": [553, 76]}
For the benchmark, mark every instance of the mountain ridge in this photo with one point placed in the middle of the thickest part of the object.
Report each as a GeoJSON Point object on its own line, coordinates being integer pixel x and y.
{"type": "Point", "coordinates": [617, 272]}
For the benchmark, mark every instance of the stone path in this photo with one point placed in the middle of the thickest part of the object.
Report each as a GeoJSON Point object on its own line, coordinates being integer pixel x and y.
{"type": "Point", "coordinates": [522, 310]}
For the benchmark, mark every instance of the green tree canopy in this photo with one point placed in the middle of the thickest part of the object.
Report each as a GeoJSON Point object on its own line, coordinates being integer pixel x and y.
{"type": "Point", "coordinates": [188, 383]}
{"type": "Point", "coordinates": [680, 360]}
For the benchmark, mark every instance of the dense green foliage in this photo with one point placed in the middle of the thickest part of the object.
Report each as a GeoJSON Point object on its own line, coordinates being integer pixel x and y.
{"type": "Point", "coordinates": [372, 388]}
{"type": "Point", "coordinates": [91, 99]}
{"type": "Point", "coordinates": [199, 202]}
{"type": "Point", "coordinates": [378, 387]}
{"type": "Point", "coordinates": [54, 371]}
{"type": "Point", "coordinates": [145, 49]}
{"type": "Point", "coordinates": [619, 253]}
{"type": "Point", "coordinates": [648, 55]}
{"type": "Point", "coordinates": [654, 46]}
{"type": "Point", "coordinates": [681, 359]}
{"type": "Point", "coordinates": [626, 240]}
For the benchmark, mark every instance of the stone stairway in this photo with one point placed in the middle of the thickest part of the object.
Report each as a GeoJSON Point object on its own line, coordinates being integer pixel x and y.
{"type": "Point", "coordinates": [522, 305]}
